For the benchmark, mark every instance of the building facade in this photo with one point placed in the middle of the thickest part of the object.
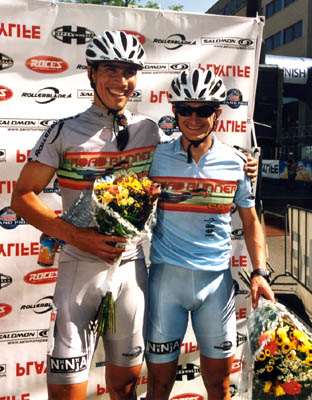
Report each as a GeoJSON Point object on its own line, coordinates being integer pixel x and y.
{"type": "Point", "coordinates": [287, 32]}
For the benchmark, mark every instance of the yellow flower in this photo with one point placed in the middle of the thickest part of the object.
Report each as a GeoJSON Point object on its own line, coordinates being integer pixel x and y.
{"type": "Point", "coordinates": [105, 198]}
{"type": "Point", "coordinates": [282, 336]}
{"type": "Point", "coordinates": [146, 183]}
{"type": "Point", "coordinates": [267, 387]}
{"type": "Point", "coordinates": [279, 391]}
{"type": "Point", "coordinates": [300, 336]}
{"type": "Point", "coordinates": [285, 348]}
{"type": "Point", "coordinates": [269, 368]}
{"type": "Point", "coordinates": [261, 356]}
{"type": "Point", "coordinates": [308, 361]}
{"type": "Point", "coordinates": [267, 352]}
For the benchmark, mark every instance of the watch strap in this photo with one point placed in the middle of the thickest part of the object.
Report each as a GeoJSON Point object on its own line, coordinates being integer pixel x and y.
{"type": "Point", "coordinates": [261, 272]}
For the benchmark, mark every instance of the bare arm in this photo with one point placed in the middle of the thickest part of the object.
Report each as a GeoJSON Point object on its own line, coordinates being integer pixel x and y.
{"type": "Point", "coordinates": [34, 177]}
{"type": "Point", "coordinates": [255, 243]}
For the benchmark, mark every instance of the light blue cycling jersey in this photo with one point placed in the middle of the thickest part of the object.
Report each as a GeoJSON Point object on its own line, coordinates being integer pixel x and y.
{"type": "Point", "coordinates": [193, 227]}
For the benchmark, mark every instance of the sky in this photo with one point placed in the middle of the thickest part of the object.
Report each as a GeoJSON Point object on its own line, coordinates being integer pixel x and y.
{"type": "Point", "coordinates": [188, 5]}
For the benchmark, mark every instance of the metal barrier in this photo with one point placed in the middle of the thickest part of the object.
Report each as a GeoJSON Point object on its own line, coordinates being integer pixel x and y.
{"type": "Point", "coordinates": [298, 246]}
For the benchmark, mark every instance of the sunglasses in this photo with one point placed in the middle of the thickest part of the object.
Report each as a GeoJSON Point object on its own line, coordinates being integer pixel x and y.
{"type": "Point", "coordinates": [201, 112]}
{"type": "Point", "coordinates": [122, 139]}
{"type": "Point", "coordinates": [122, 135]}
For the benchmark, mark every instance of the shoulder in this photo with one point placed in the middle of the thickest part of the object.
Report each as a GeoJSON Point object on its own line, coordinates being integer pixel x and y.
{"type": "Point", "coordinates": [234, 153]}
{"type": "Point", "coordinates": [142, 120]}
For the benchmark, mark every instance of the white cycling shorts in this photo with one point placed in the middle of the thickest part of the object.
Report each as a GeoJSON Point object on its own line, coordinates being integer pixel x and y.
{"type": "Point", "coordinates": [80, 287]}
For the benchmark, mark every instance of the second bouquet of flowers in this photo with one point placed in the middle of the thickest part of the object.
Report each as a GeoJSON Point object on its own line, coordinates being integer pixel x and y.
{"type": "Point", "coordinates": [282, 351]}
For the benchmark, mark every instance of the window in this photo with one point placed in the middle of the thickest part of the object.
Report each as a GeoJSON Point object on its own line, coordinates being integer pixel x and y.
{"type": "Point", "coordinates": [233, 6]}
{"type": "Point", "coordinates": [273, 7]}
{"type": "Point", "coordinates": [293, 32]}
{"type": "Point", "coordinates": [274, 41]}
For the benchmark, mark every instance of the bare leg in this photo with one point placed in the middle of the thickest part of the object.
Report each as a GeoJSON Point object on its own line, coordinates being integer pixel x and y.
{"type": "Point", "coordinates": [161, 378]}
{"type": "Point", "coordinates": [75, 391]}
{"type": "Point", "coordinates": [216, 377]}
{"type": "Point", "coordinates": [121, 381]}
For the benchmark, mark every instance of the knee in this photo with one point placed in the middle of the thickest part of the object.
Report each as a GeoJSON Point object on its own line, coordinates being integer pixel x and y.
{"type": "Point", "coordinates": [158, 387]}
{"type": "Point", "coordinates": [218, 388]}
{"type": "Point", "coordinates": [122, 392]}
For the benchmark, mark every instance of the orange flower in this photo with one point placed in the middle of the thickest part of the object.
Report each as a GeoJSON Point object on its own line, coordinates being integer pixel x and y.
{"type": "Point", "coordinates": [272, 346]}
{"type": "Point", "coordinates": [264, 337]}
{"type": "Point", "coordinates": [292, 387]}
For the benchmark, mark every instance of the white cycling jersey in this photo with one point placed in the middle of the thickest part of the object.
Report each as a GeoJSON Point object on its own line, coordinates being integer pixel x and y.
{"type": "Point", "coordinates": [83, 147]}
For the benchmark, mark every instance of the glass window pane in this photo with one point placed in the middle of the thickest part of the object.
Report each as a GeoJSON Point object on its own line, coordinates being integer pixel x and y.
{"type": "Point", "coordinates": [269, 10]}
{"type": "Point", "coordinates": [278, 5]}
{"type": "Point", "coordinates": [298, 30]}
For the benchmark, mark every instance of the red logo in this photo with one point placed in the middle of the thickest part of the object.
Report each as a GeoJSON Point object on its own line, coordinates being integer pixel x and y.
{"type": "Point", "coordinates": [138, 35]}
{"type": "Point", "coordinates": [188, 396]}
{"type": "Point", "coordinates": [41, 276]}
{"type": "Point", "coordinates": [236, 366]}
{"type": "Point", "coordinates": [5, 309]}
{"type": "Point", "coordinates": [5, 93]}
{"type": "Point", "coordinates": [46, 64]}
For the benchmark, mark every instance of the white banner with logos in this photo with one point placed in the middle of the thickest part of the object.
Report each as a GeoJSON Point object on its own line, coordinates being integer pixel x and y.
{"type": "Point", "coordinates": [43, 78]}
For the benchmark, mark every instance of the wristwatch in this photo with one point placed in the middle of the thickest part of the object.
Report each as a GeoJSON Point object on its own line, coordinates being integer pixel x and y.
{"type": "Point", "coordinates": [261, 272]}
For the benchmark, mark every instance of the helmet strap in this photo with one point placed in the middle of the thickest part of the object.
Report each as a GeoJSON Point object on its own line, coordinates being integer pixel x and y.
{"type": "Point", "coordinates": [194, 143]}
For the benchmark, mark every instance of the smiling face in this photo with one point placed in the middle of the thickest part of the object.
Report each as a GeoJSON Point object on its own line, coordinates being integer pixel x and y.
{"type": "Point", "coordinates": [114, 83]}
{"type": "Point", "coordinates": [192, 125]}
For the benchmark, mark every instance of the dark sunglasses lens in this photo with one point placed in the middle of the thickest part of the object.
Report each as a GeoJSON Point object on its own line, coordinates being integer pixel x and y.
{"type": "Point", "coordinates": [201, 112]}
{"type": "Point", "coordinates": [184, 111]}
{"type": "Point", "coordinates": [205, 111]}
{"type": "Point", "coordinates": [122, 139]}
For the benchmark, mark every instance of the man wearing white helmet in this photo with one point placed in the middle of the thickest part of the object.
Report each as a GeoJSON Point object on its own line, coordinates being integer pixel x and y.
{"type": "Point", "coordinates": [103, 139]}
{"type": "Point", "coordinates": [201, 178]}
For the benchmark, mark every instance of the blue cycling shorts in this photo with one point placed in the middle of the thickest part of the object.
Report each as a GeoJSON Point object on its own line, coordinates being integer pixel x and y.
{"type": "Point", "coordinates": [174, 292]}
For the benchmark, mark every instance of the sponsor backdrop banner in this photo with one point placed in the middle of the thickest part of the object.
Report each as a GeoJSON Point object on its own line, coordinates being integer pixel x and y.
{"type": "Point", "coordinates": [43, 78]}
{"type": "Point", "coordinates": [278, 169]}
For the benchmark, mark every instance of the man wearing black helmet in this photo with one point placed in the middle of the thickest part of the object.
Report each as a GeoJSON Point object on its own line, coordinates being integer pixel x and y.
{"type": "Point", "coordinates": [201, 178]}
{"type": "Point", "coordinates": [106, 138]}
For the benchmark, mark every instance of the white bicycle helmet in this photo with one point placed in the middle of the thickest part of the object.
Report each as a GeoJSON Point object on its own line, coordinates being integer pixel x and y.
{"type": "Point", "coordinates": [115, 46]}
{"type": "Point", "coordinates": [197, 85]}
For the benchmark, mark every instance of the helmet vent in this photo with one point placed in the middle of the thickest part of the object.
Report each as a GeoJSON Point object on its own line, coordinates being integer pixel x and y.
{"type": "Point", "coordinates": [175, 89]}
{"type": "Point", "coordinates": [90, 53]}
{"type": "Point", "coordinates": [117, 53]}
{"type": "Point", "coordinates": [208, 77]}
{"type": "Point", "coordinates": [183, 78]}
{"type": "Point", "coordinates": [123, 40]}
{"type": "Point", "coordinates": [216, 87]}
{"type": "Point", "coordinates": [99, 44]}
{"type": "Point", "coordinates": [131, 54]}
{"type": "Point", "coordinates": [187, 93]}
{"type": "Point", "coordinates": [195, 79]}
{"type": "Point", "coordinates": [141, 54]}
{"type": "Point", "coordinates": [202, 92]}
{"type": "Point", "coordinates": [110, 37]}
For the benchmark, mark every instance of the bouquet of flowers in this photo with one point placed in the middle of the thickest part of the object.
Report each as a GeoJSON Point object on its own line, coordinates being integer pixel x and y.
{"type": "Point", "coordinates": [281, 347]}
{"type": "Point", "coordinates": [117, 205]}
{"type": "Point", "coordinates": [123, 205]}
